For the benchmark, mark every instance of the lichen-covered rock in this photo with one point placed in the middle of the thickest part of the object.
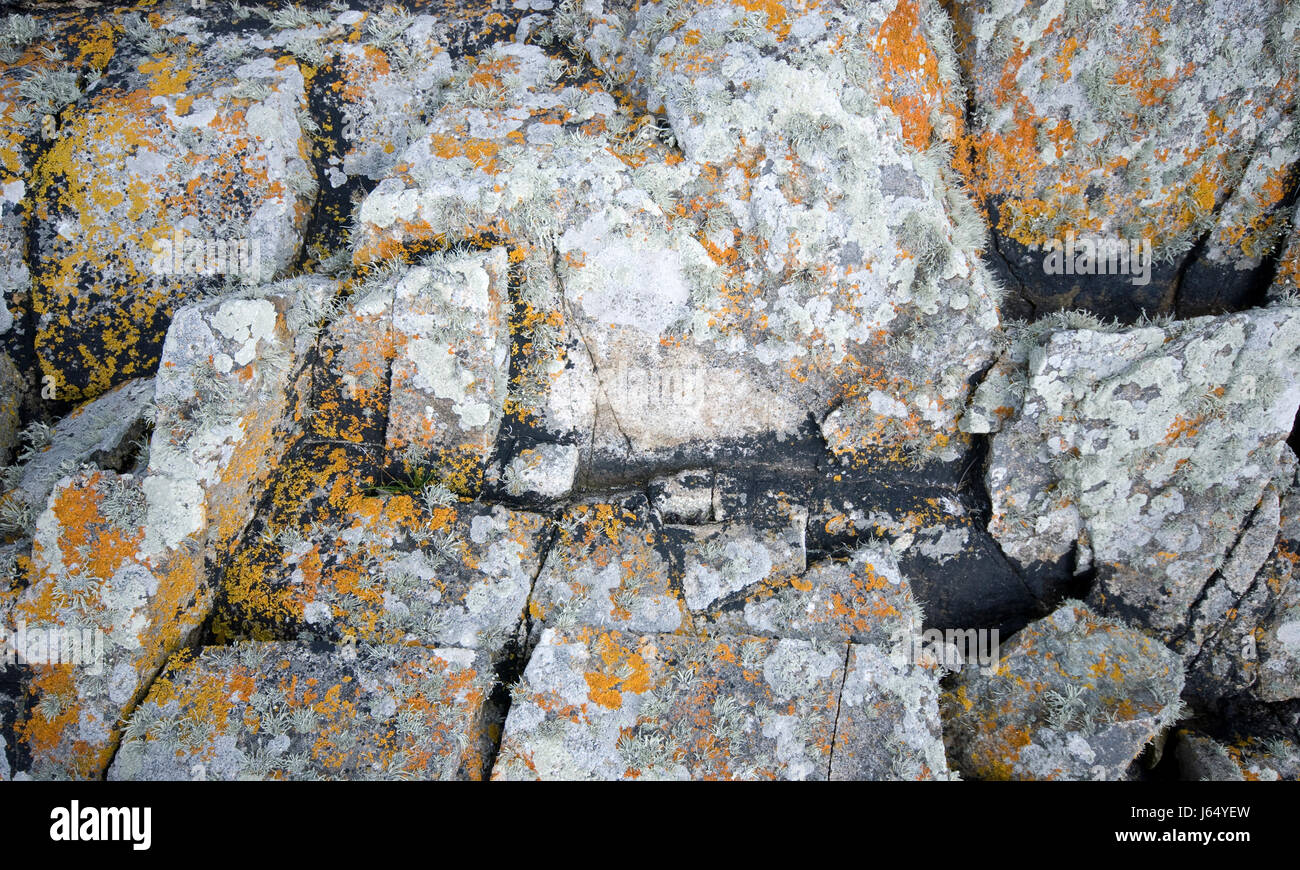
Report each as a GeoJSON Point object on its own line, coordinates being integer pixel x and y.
{"type": "Point", "coordinates": [545, 471]}
{"type": "Point", "coordinates": [353, 562]}
{"type": "Point", "coordinates": [1075, 696]}
{"type": "Point", "coordinates": [714, 294]}
{"type": "Point", "coordinates": [607, 569]}
{"type": "Point", "coordinates": [1201, 757]}
{"type": "Point", "coordinates": [1286, 279]}
{"type": "Point", "coordinates": [1132, 121]}
{"type": "Point", "coordinates": [888, 724]}
{"type": "Point", "coordinates": [449, 377]}
{"type": "Point", "coordinates": [122, 557]}
{"type": "Point", "coordinates": [708, 724]}
{"type": "Point", "coordinates": [45, 64]}
{"type": "Point", "coordinates": [12, 386]}
{"type": "Point", "coordinates": [864, 599]}
{"type": "Point", "coordinates": [607, 705]}
{"type": "Point", "coordinates": [685, 497]}
{"type": "Point", "coordinates": [1269, 648]}
{"type": "Point", "coordinates": [1148, 452]}
{"type": "Point", "coordinates": [183, 172]}
{"type": "Point", "coordinates": [294, 712]}
{"type": "Point", "coordinates": [721, 559]}
{"type": "Point", "coordinates": [1235, 637]}
{"type": "Point", "coordinates": [101, 432]}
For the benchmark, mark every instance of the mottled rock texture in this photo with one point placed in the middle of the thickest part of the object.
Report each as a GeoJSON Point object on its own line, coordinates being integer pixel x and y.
{"type": "Point", "coordinates": [627, 390]}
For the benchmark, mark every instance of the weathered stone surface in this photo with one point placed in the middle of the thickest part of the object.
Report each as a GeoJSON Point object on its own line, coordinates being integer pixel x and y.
{"type": "Point", "coordinates": [1148, 450]}
{"type": "Point", "coordinates": [1286, 278]}
{"type": "Point", "coordinates": [351, 377]}
{"type": "Point", "coordinates": [100, 432]}
{"type": "Point", "coordinates": [888, 723]}
{"type": "Point", "coordinates": [664, 299]}
{"type": "Point", "coordinates": [124, 556]}
{"type": "Point", "coordinates": [647, 354]}
{"type": "Point", "coordinates": [544, 471]}
{"type": "Point", "coordinates": [1202, 758]}
{"type": "Point", "coordinates": [1075, 696]}
{"type": "Point", "coordinates": [378, 567]}
{"type": "Point", "coordinates": [176, 157]}
{"type": "Point", "coordinates": [864, 599]}
{"type": "Point", "coordinates": [449, 377]}
{"type": "Point", "coordinates": [721, 559]}
{"type": "Point", "coordinates": [686, 497]}
{"type": "Point", "coordinates": [293, 711]}
{"type": "Point", "coordinates": [607, 705]}
{"type": "Point", "coordinates": [1130, 121]}
{"type": "Point", "coordinates": [1274, 639]}
{"type": "Point", "coordinates": [706, 720]}
{"type": "Point", "coordinates": [12, 386]}
{"type": "Point", "coordinates": [606, 569]}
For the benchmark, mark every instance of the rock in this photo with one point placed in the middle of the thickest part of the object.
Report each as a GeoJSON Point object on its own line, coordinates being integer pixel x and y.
{"type": "Point", "coordinates": [1147, 452]}
{"type": "Point", "coordinates": [350, 386]}
{"type": "Point", "coordinates": [607, 569]}
{"type": "Point", "coordinates": [1276, 638]}
{"type": "Point", "coordinates": [380, 568]}
{"type": "Point", "coordinates": [1123, 122]}
{"type": "Point", "coordinates": [291, 711]}
{"type": "Point", "coordinates": [101, 432]}
{"type": "Point", "coordinates": [721, 559]}
{"type": "Point", "coordinates": [1075, 696]}
{"type": "Point", "coordinates": [121, 559]}
{"type": "Point", "coordinates": [888, 725]}
{"type": "Point", "coordinates": [609, 705]}
{"type": "Point", "coordinates": [392, 77]}
{"type": "Point", "coordinates": [1201, 758]}
{"type": "Point", "coordinates": [545, 471]}
{"type": "Point", "coordinates": [184, 172]}
{"type": "Point", "coordinates": [713, 301]}
{"type": "Point", "coordinates": [864, 599]}
{"type": "Point", "coordinates": [449, 377]}
{"type": "Point", "coordinates": [44, 65]}
{"type": "Point", "coordinates": [1286, 278]}
{"type": "Point", "coordinates": [685, 497]}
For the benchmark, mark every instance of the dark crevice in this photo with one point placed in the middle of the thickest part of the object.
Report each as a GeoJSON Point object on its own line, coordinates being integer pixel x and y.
{"type": "Point", "coordinates": [1175, 641]}
{"type": "Point", "coordinates": [839, 704]}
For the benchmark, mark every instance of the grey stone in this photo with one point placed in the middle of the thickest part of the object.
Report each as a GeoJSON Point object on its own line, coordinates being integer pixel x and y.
{"type": "Point", "coordinates": [290, 711]}
{"type": "Point", "coordinates": [100, 432]}
{"type": "Point", "coordinates": [1075, 696]}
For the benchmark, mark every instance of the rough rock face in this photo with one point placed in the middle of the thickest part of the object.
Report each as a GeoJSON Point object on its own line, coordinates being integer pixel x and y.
{"type": "Point", "coordinates": [294, 712]}
{"type": "Point", "coordinates": [627, 391]}
{"type": "Point", "coordinates": [119, 560]}
{"type": "Point", "coordinates": [1170, 123]}
{"type": "Point", "coordinates": [687, 262]}
{"type": "Point", "coordinates": [101, 432]}
{"type": "Point", "coordinates": [818, 682]}
{"type": "Point", "coordinates": [1152, 454]}
{"type": "Point", "coordinates": [1202, 758]}
{"type": "Point", "coordinates": [1074, 696]}
{"type": "Point", "coordinates": [190, 168]}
